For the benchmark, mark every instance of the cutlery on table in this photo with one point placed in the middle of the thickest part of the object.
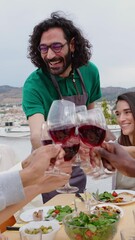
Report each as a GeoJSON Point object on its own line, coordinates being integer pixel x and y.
{"type": "Point", "coordinates": [79, 196]}
{"type": "Point", "coordinates": [11, 228]}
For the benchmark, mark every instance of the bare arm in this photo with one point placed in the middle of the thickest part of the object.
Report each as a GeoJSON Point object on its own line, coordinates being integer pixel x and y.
{"type": "Point", "coordinates": [130, 150]}
{"type": "Point", "coordinates": [113, 154]}
{"type": "Point", "coordinates": [91, 105]}
{"type": "Point", "coordinates": [35, 122]}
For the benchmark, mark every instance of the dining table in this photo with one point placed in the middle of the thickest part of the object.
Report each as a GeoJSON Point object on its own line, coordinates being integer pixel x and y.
{"type": "Point", "coordinates": [68, 199]}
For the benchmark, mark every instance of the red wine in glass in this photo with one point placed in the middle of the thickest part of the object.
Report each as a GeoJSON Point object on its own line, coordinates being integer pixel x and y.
{"type": "Point", "coordinates": [62, 123]}
{"type": "Point", "coordinates": [70, 151]}
{"type": "Point", "coordinates": [61, 135]}
{"type": "Point", "coordinates": [46, 142]}
{"type": "Point", "coordinates": [91, 135]}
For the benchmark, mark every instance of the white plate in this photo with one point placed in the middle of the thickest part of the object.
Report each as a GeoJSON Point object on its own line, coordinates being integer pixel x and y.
{"type": "Point", "coordinates": [120, 191]}
{"type": "Point", "coordinates": [112, 205]}
{"type": "Point", "coordinates": [27, 216]}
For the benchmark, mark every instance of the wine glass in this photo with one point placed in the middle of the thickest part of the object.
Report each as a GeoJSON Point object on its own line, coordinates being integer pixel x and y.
{"type": "Point", "coordinates": [90, 201]}
{"type": "Point", "coordinates": [61, 124]}
{"type": "Point", "coordinates": [82, 108]}
{"type": "Point", "coordinates": [45, 140]}
{"type": "Point", "coordinates": [92, 132]}
{"type": "Point", "coordinates": [82, 160]}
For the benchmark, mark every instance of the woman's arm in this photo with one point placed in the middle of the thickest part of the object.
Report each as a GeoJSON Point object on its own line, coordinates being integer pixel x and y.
{"type": "Point", "coordinates": [130, 150]}
{"type": "Point", "coordinates": [46, 184]}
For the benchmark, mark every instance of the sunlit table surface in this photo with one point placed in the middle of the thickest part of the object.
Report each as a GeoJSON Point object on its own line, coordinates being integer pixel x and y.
{"type": "Point", "coordinates": [68, 199]}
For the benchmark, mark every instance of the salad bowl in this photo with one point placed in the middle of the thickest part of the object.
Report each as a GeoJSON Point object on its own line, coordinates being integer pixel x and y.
{"type": "Point", "coordinates": [84, 226]}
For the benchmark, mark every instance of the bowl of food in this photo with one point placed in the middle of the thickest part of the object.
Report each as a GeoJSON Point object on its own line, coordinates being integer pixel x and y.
{"type": "Point", "coordinates": [92, 226]}
{"type": "Point", "coordinates": [48, 229]}
{"type": "Point", "coordinates": [107, 207]}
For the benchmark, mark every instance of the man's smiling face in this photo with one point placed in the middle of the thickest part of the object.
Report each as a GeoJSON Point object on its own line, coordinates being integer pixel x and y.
{"type": "Point", "coordinates": [58, 63]}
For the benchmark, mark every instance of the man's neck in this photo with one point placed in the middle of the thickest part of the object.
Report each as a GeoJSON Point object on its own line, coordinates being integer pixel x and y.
{"type": "Point", "coordinates": [66, 73]}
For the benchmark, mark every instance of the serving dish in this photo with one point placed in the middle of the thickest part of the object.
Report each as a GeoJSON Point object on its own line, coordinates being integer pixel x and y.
{"type": "Point", "coordinates": [120, 197]}
{"type": "Point", "coordinates": [84, 226]}
{"type": "Point", "coordinates": [34, 226]}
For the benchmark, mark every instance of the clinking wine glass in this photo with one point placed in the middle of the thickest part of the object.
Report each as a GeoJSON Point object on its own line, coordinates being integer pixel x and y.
{"type": "Point", "coordinates": [92, 132]}
{"type": "Point", "coordinates": [61, 124]}
{"type": "Point", "coordinates": [83, 161]}
{"type": "Point", "coordinates": [81, 108]}
{"type": "Point", "coordinates": [46, 140]}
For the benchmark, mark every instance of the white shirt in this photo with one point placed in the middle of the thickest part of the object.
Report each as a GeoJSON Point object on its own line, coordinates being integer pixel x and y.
{"type": "Point", "coordinates": [11, 189]}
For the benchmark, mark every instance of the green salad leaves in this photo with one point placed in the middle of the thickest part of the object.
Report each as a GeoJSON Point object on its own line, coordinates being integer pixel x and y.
{"type": "Point", "coordinates": [93, 226]}
{"type": "Point", "coordinates": [59, 212]}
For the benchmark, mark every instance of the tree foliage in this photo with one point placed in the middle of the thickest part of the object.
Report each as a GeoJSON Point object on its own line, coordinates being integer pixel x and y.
{"type": "Point", "coordinates": [110, 117]}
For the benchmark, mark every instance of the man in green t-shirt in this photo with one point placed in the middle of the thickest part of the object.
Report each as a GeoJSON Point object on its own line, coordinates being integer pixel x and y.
{"type": "Point", "coordinates": [61, 55]}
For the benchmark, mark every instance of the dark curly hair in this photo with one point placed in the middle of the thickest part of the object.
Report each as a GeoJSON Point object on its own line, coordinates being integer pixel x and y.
{"type": "Point", "coordinates": [82, 46]}
{"type": "Point", "coordinates": [129, 97]}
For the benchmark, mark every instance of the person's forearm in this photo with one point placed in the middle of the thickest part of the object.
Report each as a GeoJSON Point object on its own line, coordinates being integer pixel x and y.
{"type": "Point", "coordinates": [130, 150]}
{"type": "Point", "coordinates": [129, 167]}
{"type": "Point", "coordinates": [29, 176]}
{"type": "Point", "coordinates": [35, 121]}
{"type": "Point", "coordinates": [30, 193]}
{"type": "Point", "coordinates": [36, 143]}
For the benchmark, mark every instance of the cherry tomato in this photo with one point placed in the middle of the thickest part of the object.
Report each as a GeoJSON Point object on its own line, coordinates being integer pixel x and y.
{"type": "Point", "coordinates": [57, 211]}
{"type": "Point", "coordinates": [88, 233]}
{"type": "Point", "coordinates": [114, 194]}
{"type": "Point", "coordinates": [78, 237]}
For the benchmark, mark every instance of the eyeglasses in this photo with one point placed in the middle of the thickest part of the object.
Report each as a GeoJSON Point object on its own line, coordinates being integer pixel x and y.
{"type": "Point", "coordinates": [55, 47]}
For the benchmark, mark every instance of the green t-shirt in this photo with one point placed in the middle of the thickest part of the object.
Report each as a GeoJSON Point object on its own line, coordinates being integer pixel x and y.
{"type": "Point", "coordinates": [39, 91]}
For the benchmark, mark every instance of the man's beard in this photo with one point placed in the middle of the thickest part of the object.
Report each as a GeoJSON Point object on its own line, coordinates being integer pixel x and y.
{"type": "Point", "coordinates": [66, 63]}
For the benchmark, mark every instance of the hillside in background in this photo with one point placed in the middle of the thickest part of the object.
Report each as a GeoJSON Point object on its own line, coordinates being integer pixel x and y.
{"type": "Point", "coordinates": [111, 93]}
{"type": "Point", "coordinates": [10, 94]}
{"type": "Point", "coordinates": [13, 95]}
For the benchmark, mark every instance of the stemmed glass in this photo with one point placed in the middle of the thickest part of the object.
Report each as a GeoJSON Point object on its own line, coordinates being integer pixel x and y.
{"type": "Point", "coordinates": [61, 124]}
{"type": "Point", "coordinates": [82, 162]}
{"type": "Point", "coordinates": [45, 140]}
{"type": "Point", "coordinates": [92, 132]}
{"type": "Point", "coordinates": [77, 160]}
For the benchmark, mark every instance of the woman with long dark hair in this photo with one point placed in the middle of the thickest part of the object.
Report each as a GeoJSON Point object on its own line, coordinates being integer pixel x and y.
{"type": "Point", "coordinates": [125, 113]}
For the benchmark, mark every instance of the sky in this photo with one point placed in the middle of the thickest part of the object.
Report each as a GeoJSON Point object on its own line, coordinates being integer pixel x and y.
{"type": "Point", "coordinates": [109, 25]}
